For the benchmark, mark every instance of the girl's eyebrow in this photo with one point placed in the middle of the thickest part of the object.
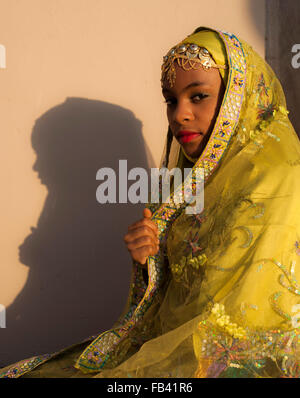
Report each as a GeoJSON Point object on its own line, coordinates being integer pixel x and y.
{"type": "Point", "coordinates": [193, 84]}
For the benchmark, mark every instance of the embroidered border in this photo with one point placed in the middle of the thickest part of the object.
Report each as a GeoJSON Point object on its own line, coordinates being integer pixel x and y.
{"type": "Point", "coordinates": [25, 366]}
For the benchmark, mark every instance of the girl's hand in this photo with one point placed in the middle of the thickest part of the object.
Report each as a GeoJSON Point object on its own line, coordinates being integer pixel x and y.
{"type": "Point", "coordinates": [142, 238]}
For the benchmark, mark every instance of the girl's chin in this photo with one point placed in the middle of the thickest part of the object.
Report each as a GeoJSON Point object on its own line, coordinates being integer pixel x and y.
{"type": "Point", "coordinates": [191, 151]}
{"type": "Point", "coordinates": [195, 149]}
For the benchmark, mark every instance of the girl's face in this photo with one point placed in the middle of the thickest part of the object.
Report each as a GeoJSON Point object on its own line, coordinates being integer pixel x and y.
{"type": "Point", "coordinates": [192, 106]}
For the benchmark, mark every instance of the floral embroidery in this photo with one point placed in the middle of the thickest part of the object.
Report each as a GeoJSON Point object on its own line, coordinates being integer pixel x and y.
{"type": "Point", "coordinates": [193, 243]}
{"type": "Point", "coordinates": [180, 270]}
{"type": "Point", "coordinates": [224, 128]}
{"type": "Point", "coordinates": [248, 356]}
{"type": "Point", "coordinates": [262, 85]}
{"type": "Point", "coordinates": [238, 81]}
{"type": "Point", "coordinates": [198, 219]}
{"type": "Point", "coordinates": [265, 112]}
{"type": "Point", "coordinates": [223, 320]}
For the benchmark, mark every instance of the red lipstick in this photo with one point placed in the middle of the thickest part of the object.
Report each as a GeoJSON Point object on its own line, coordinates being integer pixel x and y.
{"type": "Point", "coordinates": [185, 136]}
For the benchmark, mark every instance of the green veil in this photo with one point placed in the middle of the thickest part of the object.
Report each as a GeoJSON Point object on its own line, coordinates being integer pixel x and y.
{"type": "Point", "coordinates": [222, 295]}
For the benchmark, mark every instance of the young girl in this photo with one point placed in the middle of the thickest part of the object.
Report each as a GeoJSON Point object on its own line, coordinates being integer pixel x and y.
{"type": "Point", "coordinates": [215, 293]}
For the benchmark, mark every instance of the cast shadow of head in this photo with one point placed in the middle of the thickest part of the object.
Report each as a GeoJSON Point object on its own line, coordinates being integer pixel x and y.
{"type": "Point", "coordinates": [79, 267]}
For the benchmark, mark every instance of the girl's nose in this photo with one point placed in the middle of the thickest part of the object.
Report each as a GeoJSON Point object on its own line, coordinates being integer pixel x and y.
{"type": "Point", "coordinates": [183, 113]}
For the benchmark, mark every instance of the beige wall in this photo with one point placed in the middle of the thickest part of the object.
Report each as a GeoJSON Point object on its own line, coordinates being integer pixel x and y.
{"type": "Point", "coordinates": [81, 90]}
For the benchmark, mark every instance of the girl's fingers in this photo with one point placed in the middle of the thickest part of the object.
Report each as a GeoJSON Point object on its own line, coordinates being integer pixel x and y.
{"type": "Point", "coordinates": [141, 254]}
{"type": "Point", "coordinates": [142, 241]}
{"type": "Point", "coordinates": [139, 232]}
{"type": "Point", "coordinates": [144, 222]}
{"type": "Point", "coordinates": [147, 213]}
{"type": "Point", "coordinates": [142, 238]}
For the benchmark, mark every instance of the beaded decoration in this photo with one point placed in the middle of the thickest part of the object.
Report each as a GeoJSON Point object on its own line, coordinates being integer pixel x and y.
{"type": "Point", "coordinates": [188, 56]}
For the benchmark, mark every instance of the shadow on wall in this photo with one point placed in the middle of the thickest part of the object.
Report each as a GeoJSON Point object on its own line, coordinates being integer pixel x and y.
{"type": "Point", "coordinates": [79, 267]}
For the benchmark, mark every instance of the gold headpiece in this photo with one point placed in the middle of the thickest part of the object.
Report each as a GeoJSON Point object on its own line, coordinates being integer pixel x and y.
{"type": "Point", "coordinates": [189, 56]}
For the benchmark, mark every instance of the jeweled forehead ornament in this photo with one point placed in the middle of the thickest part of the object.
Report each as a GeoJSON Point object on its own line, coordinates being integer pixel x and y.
{"type": "Point", "coordinates": [189, 56]}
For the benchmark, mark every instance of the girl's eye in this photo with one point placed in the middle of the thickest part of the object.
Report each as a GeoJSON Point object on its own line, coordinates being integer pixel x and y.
{"type": "Point", "coordinates": [195, 98]}
{"type": "Point", "coordinates": [199, 97]}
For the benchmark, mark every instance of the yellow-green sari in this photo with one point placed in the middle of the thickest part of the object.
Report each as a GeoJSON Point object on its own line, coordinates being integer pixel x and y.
{"type": "Point", "coordinates": [222, 296]}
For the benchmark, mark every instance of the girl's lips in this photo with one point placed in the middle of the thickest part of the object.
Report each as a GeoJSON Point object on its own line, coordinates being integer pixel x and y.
{"type": "Point", "coordinates": [187, 136]}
